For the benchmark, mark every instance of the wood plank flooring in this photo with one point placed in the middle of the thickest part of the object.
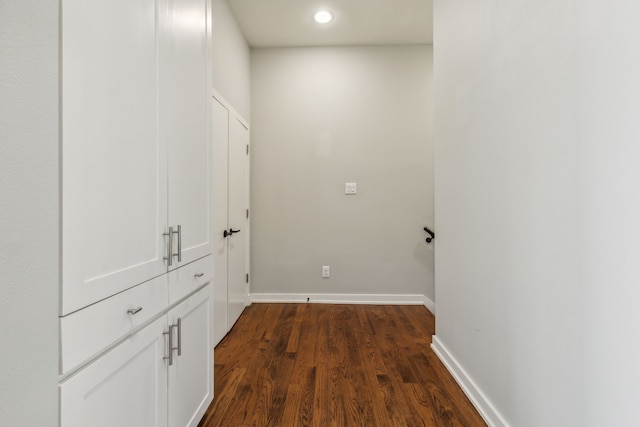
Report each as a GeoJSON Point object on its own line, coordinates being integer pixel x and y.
{"type": "Point", "coordinates": [323, 365]}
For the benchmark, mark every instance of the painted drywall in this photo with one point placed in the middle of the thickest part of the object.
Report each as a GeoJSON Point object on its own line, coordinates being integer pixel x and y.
{"type": "Point", "coordinates": [322, 117]}
{"type": "Point", "coordinates": [231, 58]}
{"type": "Point", "coordinates": [29, 212]}
{"type": "Point", "coordinates": [537, 207]}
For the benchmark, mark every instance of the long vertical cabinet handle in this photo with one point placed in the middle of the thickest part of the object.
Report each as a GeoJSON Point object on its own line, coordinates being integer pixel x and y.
{"type": "Point", "coordinates": [170, 356]}
{"type": "Point", "coordinates": [179, 243]}
{"type": "Point", "coordinates": [179, 325]}
{"type": "Point", "coordinates": [178, 231]}
{"type": "Point", "coordinates": [169, 257]}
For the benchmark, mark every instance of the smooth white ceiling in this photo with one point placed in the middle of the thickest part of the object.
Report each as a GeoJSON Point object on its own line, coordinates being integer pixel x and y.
{"type": "Point", "coordinates": [280, 23]}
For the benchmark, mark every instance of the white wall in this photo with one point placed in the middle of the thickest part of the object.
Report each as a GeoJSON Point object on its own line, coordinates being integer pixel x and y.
{"type": "Point", "coordinates": [231, 58]}
{"type": "Point", "coordinates": [29, 212]}
{"type": "Point", "coordinates": [325, 116]}
{"type": "Point", "coordinates": [537, 207]}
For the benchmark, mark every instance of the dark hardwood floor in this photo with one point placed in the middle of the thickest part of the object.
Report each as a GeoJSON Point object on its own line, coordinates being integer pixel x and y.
{"type": "Point", "coordinates": [334, 365]}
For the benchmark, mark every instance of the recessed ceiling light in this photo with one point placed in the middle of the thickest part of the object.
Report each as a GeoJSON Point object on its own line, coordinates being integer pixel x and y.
{"type": "Point", "coordinates": [323, 17]}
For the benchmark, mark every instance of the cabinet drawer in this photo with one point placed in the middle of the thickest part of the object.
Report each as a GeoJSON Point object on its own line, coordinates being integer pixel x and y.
{"type": "Point", "coordinates": [86, 333]}
{"type": "Point", "coordinates": [127, 386]}
{"type": "Point", "coordinates": [188, 278]}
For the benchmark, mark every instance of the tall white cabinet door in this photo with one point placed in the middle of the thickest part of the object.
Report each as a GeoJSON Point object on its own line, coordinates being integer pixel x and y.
{"type": "Point", "coordinates": [185, 101]}
{"type": "Point", "coordinates": [191, 374]}
{"type": "Point", "coordinates": [127, 387]}
{"type": "Point", "coordinates": [220, 171]}
{"type": "Point", "coordinates": [113, 162]}
{"type": "Point", "coordinates": [238, 204]}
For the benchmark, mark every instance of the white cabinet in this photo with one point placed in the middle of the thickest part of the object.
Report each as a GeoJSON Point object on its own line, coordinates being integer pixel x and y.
{"type": "Point", "coordinates": [135, 144]}
{"type": "Point", "coordinates": [125, 387]}
{"type": "Point", "coordinates": [160, 376]}
{"type": "Point", "coordinates": [135, 90]}
{"type": "Point", "coordinates": [191, 375]}
{"type": "Point", "coordinates": [184, 122]}
{"type": "Point", "coordinates": [114, 174]}
{"type": "Point", "coordinates": [186, 279]}
{"type": "Point", "coordinates": [87, 333]}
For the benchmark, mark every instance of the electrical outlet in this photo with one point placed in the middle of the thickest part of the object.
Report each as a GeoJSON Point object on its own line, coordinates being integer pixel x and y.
{"type": "Point", "coordinates": [326, 271]}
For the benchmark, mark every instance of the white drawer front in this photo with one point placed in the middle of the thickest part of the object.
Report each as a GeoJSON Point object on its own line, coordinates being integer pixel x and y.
{"type": "Point", "coordinates": [127, 386]}
{"type": "Point", "coordinates": [86, 333]}
{"type": "Point", "coordinates": [188, 278]}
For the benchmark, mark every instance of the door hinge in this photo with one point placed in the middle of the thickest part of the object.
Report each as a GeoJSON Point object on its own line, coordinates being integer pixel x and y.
{"type": "Point", "coordinates": [247, 213]}
{"type": "Point", "coordinates": [247, 277]}
{"type": "Point", "coordinates": [247, 149]}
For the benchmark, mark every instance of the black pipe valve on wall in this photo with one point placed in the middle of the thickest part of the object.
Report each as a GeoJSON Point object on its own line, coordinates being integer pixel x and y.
{"type": "Point", "coordinates": [432, 235]}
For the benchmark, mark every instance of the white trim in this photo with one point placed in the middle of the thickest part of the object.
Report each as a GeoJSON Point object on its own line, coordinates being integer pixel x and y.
{"type": "Point", "coordinates": [378, 299]}
{"type": "Point", "coordinates": [431, 306]}
{"type": "Point", "coordinates": [484, 406]}
{"type": "Point", "coordinates": [232, 111]}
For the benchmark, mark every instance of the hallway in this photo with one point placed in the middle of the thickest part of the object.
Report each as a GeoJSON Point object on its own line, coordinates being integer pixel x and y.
{"type": "Point", "coordinates": [340, 365]}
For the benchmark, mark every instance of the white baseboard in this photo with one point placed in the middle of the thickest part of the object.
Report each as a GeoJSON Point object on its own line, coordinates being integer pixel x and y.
{"type": "Point", "coordinates": [431, 306]}
{"type": "Point", "coordinates": [378, 299]}
{"type": "Point", "coordinates": [486, 409]}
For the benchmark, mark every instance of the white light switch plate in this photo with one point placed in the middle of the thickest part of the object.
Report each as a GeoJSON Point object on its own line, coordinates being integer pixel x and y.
{"type": "Point", "coordinates": [350, 188]}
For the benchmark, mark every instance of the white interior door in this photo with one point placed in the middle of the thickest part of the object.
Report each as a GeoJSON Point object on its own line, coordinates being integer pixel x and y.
{"type": "Point", "coordinates": [238, 205]}
{"type": "Point", "coordinates": [220, 165]}
{"type": "Point", "coordinates": [230, 225]}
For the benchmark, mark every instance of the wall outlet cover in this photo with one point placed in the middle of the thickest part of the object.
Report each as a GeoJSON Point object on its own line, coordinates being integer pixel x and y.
{"type": "Point", "coordinates": [326, 271]}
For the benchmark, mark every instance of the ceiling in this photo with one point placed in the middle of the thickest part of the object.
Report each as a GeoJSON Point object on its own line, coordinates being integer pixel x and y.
{"type": "Point", "coordinates": [284, 23]}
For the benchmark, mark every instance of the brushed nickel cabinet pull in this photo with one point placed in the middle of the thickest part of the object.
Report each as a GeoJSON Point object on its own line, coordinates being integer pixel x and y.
{"type": "Point", "coordinates": [134, 311]}
{"type": "Point", "coordinates": [178, 231]}
{"type": "Point", "coordinates": [169, 257]}
{"type": "Point", "coordinates": [179, 326]}
{"type": "Point", "coordinates": [170, 356]}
